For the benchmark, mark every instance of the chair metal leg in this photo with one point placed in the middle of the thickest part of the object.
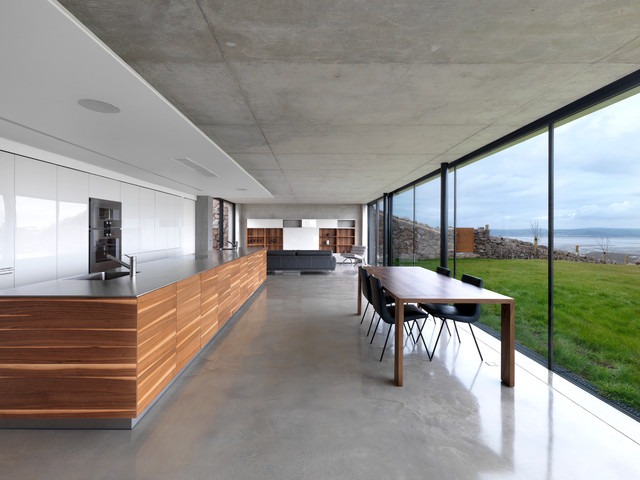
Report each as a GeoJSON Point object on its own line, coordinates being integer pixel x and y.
{"type": "Point", "coordinates": [409, 332]}
{"type": "Point", "coordinates": [455, 325]}
{"type": "Point", "coordinates": [420, 336]}
{"type": "Point", "coordinates": [365, 312]}
{"type": "Point", "coordinates": [376, 329]}
{"type": "Point", "coordinates": [385, 343]}
{"type": "Point", "coordinates": [371, 323]}
{"type": "Point", "coordinates": [474, 339]}
{"type": "Point", "coordinates": [433, 352]}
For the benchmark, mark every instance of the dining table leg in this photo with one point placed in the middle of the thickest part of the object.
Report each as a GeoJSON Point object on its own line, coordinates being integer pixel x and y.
{"type": "Point", "coordinates": [507, 347]}
{"type": "Point", "coordinates": [399, 342]}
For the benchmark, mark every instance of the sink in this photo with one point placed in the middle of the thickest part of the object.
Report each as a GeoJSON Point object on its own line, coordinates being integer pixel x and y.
{"type": "Point", "coordinates": [109, 275]}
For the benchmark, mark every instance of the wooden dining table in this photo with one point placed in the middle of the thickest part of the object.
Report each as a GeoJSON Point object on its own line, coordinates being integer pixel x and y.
{"type": "Point", "coordinates": [419, 285]}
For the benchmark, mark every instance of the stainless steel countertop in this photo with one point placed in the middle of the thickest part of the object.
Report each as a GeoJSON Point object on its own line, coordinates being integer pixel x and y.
{"type": "Point", "coordinates": [151, 276]}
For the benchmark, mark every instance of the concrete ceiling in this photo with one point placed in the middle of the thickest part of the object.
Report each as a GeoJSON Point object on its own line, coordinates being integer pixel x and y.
{"type": "Point", "coordinates": [338, 101]}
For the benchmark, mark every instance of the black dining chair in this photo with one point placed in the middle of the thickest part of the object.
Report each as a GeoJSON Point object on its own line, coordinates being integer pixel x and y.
{"type": "Point", "coordinates": [458, 312]}
{"type": "Point", "coordinates": [365, 287]}
{"type": "Point", "coordinates": [425, 306]}
{"type": "Point", "coordinates": [387, 312]}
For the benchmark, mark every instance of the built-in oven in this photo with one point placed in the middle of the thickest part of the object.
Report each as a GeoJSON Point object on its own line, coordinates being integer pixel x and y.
{"type": "Point", "coordinates": [105, 221]}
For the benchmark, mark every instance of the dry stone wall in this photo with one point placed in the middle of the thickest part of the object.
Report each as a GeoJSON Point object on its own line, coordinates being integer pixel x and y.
{"type": "Point", "coordinates": [427, 244]}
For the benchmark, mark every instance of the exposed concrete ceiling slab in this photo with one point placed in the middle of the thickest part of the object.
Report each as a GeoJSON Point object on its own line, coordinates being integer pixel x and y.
{"type": "Point", "coordinates": [376, 93]}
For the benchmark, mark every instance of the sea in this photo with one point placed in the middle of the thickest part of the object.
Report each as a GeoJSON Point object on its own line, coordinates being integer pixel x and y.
{"type": "Point", "coordinates": [587, 244]}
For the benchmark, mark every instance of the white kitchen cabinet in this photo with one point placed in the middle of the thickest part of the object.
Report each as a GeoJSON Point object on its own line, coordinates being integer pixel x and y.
{"type": "Point", "coordinates": [73, 226]}
{"type": "Point", "coordinates": [7, 220]}
{"type": "Point", "coordinates": [36, 229]}
{"type": "Point", "coordinates": [104, 188]}
{"type": "Point", "coordinates": [189, 226]}
{"type": "Point", "coordinates": [147, 220]}
{"type": "Point", "coordinates": [162, 221]}
{"type": "Point", "coordinates": [130, 197]}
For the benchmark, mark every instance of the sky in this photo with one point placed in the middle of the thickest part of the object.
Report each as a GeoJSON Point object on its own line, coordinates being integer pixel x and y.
{"type": "Point", "coordinates": [597, 178]}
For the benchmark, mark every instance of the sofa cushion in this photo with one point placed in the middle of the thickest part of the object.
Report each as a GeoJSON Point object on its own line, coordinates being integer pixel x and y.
{"type": "Point", "coordinates": [314, 253]}
{"type": "Point", "coordinates": [281, 253]}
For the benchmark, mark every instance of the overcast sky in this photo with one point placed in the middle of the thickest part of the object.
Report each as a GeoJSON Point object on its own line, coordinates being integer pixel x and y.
{"type": "Point", "coordinates": [597, 178]}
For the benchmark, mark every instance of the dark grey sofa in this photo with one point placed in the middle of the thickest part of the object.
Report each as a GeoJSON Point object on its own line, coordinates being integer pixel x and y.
{"type": "Point", "coordinates": [302, 260]}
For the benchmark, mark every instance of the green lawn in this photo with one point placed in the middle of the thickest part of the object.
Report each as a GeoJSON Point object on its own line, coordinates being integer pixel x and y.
{"type": "Point", "coordinates": [596, 316]}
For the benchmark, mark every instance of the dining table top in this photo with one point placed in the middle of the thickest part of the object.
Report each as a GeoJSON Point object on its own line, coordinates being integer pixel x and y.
{"type": "Point", "coordinates": [417, 284]}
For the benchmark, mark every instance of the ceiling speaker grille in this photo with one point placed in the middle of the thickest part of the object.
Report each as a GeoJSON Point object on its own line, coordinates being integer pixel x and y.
{"type": "Point", "coordinates": [195, 166]}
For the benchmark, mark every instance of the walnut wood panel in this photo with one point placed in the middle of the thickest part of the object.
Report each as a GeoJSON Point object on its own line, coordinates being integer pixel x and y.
{"type": "Point", "coordinates": [156, 343]}
{"type": "Point", "coordinates": [229, 293]}
{"type": "Point", "coordinates": [67, 357]}
{"type": "Point", "coordinates": [110, 358]}
{"type": "Point", "coordinates": [208, 305]}
{"type": "Point", "coordinates": [188, 320]}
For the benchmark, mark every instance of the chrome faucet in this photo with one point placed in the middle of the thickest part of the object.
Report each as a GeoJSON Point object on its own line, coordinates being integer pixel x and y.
{"type": "Point", "coordinates": [132, 265]}
{"type": "Point", "coordinates": [234, 245]}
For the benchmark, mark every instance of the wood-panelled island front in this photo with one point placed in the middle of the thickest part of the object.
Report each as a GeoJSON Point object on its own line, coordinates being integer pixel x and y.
{"type": "Point", "coordinates": [86, 349]}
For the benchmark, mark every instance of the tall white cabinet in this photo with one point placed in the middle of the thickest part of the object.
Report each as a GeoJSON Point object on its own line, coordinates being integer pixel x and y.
{"type": "Point", "coordinates": [7, 220]}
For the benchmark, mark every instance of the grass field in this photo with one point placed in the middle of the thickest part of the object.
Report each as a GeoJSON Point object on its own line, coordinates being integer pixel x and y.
{"type": "Point", "coordinates": [596, 316]}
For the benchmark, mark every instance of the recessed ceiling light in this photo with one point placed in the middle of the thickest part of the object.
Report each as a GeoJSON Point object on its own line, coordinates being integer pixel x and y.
{"type": "Point", "coordinates": [196, 166]}
{"type": "Point", "coordinates": [98, 106]}
{"type": "Point", "coordinates": [230, 44]}
{"type": "Point", "coordinates": [241, 189]}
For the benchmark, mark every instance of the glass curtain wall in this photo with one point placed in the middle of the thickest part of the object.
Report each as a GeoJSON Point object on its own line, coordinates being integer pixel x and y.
{"type": "Point", "coordinates": [502, 203]}
{"type": "Point", "coordinates": [402, 227]}
{"type": "Point", "coordinates": [597, 217]}
{"type": "Point", "coordinates": [427, 223]}
{"type": "Point", "coordinates": [380, 250]}
{"type": "Point", "coordinates": [502, 235]}
{"type": "Point", "coordinates": [223, 223]}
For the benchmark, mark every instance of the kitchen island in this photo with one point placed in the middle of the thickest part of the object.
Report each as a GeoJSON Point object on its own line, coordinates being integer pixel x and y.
{"type": "Point", "coordinates": [105, 350]}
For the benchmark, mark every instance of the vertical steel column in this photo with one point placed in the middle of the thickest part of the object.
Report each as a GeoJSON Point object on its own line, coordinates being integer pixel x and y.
{"type": "Point", "coordinates": [388, 236]}
{"type": "Point", "coordinates": [444, 210]}
{"type": "Point", "coordinates": [455, 218]}
{"type": "Point", "coordinates": [551, 251]}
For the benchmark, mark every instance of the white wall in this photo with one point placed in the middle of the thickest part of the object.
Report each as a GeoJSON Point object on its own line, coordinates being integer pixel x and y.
{"type": "Point", "coordinates": [44, 220]}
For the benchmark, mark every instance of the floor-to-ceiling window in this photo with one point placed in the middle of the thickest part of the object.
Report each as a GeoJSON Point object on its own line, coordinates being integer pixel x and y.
{"type": "Point", "coordinates": [427, 223]}
{"type": "Point", "coordinates": [402, 228]}
{"type": "Point", "coordinates": [502, 201]}
{"type": "Point", "coordinates": [597, 214]}
{"type": "Point", "coordinates": [223, 223]}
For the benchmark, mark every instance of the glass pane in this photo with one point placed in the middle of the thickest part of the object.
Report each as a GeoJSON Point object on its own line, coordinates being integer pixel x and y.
{"type": "Point", "coordinates": [402, 228]}
{"type": "Point", "coordinates": [597, 215]}
{"type": "Point", "coordinates": [427, 233]}
{"type": "Point", "coordinates": [500, 197]}
{"type": "Point", "coordinates": [216, 223]}
{"type": "Point", "coordinates": [372, 233]}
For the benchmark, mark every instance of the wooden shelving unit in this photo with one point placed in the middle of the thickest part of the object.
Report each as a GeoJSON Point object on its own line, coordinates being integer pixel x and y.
{"type": "Point", "coordinates": [270, 238]}
{"type": "Point", "coordinates": [338, 240]}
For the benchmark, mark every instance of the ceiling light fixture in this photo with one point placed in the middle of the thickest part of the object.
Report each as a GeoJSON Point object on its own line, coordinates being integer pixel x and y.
{"type": "Point", "coordinates": [195, 166]}
{"type": "Point", "coordinates": [98, 106]}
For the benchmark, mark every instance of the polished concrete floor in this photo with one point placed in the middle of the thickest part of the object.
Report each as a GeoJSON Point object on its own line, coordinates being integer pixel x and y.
{"type": "Point", "coordinates": [292, 389]}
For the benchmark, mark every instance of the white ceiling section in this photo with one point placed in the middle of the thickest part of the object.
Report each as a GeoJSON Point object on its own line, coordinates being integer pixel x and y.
{"type": "Point", "coordinates": [332, 101]}
{"type": "Point", "coordinates": [50, 62]}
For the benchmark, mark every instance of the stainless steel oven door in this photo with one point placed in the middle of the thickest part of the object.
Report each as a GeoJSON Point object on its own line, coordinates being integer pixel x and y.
{"type": "Point", "coordinates": [104, 213]}
{"type": "Point", "coordinates": [103, 241]}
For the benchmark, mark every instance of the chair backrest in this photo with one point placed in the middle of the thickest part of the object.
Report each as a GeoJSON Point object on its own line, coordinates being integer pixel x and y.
{"type": "Point", "coordinates": [471, 310]}
{"type": "Point", "coordinates": [358, 250]}
{"type": "Point", "coordinates": [377, 300]}
{"type": "Point", "coordinates": [365, 286]}
{"type": "Point", "coordinates": [443, 271]}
